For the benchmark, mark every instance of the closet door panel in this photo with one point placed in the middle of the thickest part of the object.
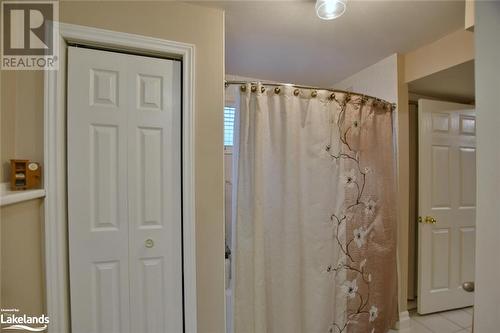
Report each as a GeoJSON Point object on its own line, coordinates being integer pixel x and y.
{"type": "Point", "coordinates": [97, 188]}
{"type": "Point", "coordinates": [154, 159]}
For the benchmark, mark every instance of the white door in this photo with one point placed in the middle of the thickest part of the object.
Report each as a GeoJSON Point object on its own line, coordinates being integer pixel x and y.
{"type": "Point", "coordinates": [124, 193]}
{"type": "Point", "coordinates": [447, 204]}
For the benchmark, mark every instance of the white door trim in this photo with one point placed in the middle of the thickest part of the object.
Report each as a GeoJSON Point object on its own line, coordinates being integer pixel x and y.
{"type": "Point", "coordinates": [55, 205]}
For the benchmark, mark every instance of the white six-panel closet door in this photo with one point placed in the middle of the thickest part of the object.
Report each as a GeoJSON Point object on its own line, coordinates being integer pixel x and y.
{"type": "Point", "coordinates": [124, 192]}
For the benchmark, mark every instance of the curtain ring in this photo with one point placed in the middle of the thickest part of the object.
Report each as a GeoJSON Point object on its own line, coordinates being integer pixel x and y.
{"type": "Point", "coordinates": [243, 87]}
{"type": "Point", "coordinates": [277, 90]}
{"type": "Point", "coordinates": [347, 97]}
{"type": "Point", "coordinates": [332, 96]}
{"type": "Point", "coordinates": [314, 93]}
{"type": "Point", "coordinates": [296, 92]}
{"type": "Point", "coordinates": [226, 84]}
{"type": "Point", "coordinates": [253, 89]}
{"type": "Point", "coordinates": [262, 89]}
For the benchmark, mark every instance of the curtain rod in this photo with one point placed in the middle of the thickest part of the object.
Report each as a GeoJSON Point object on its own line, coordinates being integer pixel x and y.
{"type": "Point", "coordinates": [276, 84]}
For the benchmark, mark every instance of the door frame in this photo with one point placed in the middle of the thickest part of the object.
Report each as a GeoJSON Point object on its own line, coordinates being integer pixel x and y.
{"type": "Point", "coordinates": [55, 164]}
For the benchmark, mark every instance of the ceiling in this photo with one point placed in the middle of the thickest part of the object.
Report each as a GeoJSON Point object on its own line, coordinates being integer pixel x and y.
{"type": "Point", "coordinates": [454, 84]}
{"type": "Point", "coordinates": [285, 41]}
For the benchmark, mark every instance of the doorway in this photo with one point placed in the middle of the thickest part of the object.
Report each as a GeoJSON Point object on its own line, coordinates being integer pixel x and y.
{"type": "Point", "coordinates": [442, 200]}
{"type": "Point", "coordinates": [124, 192]}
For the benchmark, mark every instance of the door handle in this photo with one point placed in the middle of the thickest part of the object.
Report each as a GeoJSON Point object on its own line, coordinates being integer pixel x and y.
{"type": "Point", "coordinates": [427, 220]}
{"type": "Point", "coordinates": [149, 243]}
{"type": "Point", "coordinates": [468, 286]}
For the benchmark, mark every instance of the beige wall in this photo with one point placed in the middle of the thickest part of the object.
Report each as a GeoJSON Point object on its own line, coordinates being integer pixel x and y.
{"type": "Point", "coordinates": [8, 120]}
{"type": "Point", "coordinates": [451, 50]}
{"type": "Point", "coordinates": [22, 269]}
{"type": "Point", "coordinates": [403, 183]}
{"type": "Point", "coordinates": [469, 14]}
{"type": "Point", "coordinates": [21, 118]}
{"type": "Point", "coordinates": [177, 21]}
{"type": "Point", "coordinates": [20, 224]}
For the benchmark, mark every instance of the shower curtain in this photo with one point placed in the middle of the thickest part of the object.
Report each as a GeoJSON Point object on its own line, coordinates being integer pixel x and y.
{"type": "Point", "coordinates": [315, 215]}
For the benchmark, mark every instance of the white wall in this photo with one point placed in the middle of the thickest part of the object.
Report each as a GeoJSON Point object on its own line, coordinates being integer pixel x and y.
{"type": "Point", "coordinates": [487, 38]}
{"type": "Point", "coordinates": [379, 80]}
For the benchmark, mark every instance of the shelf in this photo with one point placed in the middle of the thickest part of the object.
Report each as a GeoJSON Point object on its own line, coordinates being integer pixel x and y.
{"type": "Point", "coordinates": [8, 197]}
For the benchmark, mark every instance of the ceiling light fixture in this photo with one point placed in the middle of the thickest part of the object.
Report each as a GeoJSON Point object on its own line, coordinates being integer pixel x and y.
{"type": "Point", "coordinates": [330, 9]}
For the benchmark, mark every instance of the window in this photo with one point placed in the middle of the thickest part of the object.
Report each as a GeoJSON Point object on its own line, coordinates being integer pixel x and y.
{"type": "Point", "coordinates": [229, 125]}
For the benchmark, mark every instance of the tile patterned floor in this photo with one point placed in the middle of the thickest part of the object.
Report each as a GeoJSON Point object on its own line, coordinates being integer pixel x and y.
{"type": "Point", "coordinates": [455, 321]}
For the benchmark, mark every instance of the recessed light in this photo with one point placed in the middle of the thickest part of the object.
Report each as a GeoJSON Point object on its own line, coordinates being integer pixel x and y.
{"type": "Point", "coordinates": [330, 9]}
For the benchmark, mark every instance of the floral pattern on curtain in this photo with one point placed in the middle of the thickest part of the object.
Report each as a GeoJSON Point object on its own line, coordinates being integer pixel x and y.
{"type": "Point", "coordinates": [357, 134]}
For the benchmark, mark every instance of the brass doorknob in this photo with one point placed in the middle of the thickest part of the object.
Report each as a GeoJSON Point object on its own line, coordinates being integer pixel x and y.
{"type": "Point", "coordinates": [427, 220]}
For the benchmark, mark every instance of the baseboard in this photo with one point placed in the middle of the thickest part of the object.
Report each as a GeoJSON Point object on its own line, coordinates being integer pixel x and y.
{"type": "Point", "coordinates": [403, 325]}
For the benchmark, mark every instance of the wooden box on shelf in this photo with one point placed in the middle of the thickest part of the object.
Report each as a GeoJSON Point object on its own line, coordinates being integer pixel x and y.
{"type": "Point", "coordinates": [24, 175]}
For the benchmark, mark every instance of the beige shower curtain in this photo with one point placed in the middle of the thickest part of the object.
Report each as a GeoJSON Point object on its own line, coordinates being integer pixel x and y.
{"type": "Point", "coordinates": [314, 216]}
